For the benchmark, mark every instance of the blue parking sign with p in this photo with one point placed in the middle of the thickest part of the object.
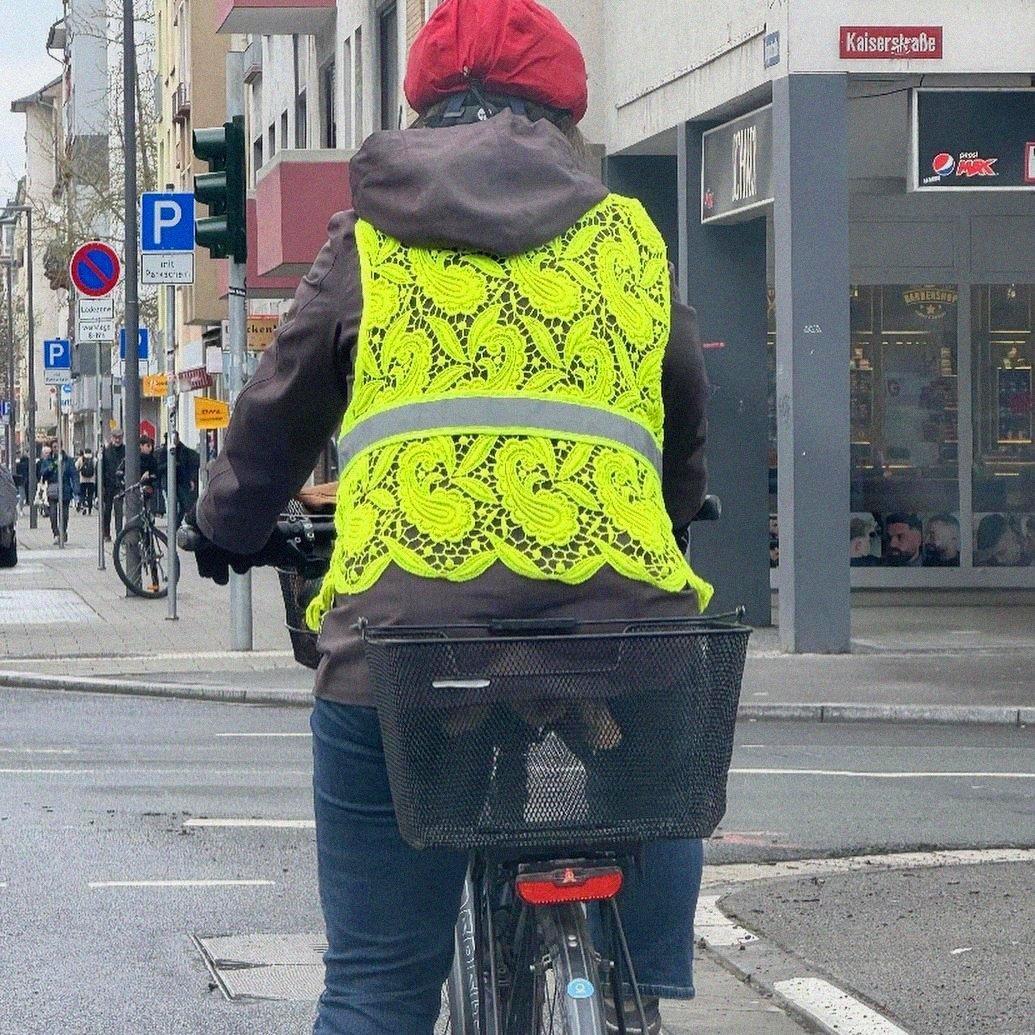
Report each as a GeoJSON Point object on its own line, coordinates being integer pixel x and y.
{"type": "Point", "coordinates": [167, 222]}
{"type": "Point", "coordinates": [57, 354]}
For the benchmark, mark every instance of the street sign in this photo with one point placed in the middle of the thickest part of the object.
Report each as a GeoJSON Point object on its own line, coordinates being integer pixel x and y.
{"type": "Point", "coordinates": [95, 269]}
{"type": "Point", "coordinates": [94, 331]}
{"type": "Point", "coordinates": [167, 222]}
{"type": "Point", "coordinates": [147, 428]}
{"type": "Point", "coordinates": [210, 414]}
{"type": "Point", "coordinates": [167, 268]}
{"type": "Point", "coordinates": [57, 361]}
{"type": "Point", "coordinates": [194, 379]}
{"type": "Point", "coordinates": [66, 397]}
{"type": "Point", "coordinates": [97, 309]}
{"type": "Point", "coordinates": [143, 343]}
{"type": "Point", "coordinates": [155, 386]}
{"type": "Point", "coordinates": [5, 411]}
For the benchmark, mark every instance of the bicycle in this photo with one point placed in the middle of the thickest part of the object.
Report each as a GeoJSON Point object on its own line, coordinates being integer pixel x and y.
{"type": "Point", "coordinates": [551, 751]}
{"type": "Point", "coordinates": [140, 550]}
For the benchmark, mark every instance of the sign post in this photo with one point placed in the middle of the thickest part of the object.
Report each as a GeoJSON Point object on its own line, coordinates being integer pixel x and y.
{"type": "Point", "coordinates": [57, 370]}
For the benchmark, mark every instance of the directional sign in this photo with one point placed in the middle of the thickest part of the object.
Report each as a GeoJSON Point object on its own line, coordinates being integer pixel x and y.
{"type": "Point", "coordinates": [143, 343]}
{"type": "Point", "coordinates": [66, 397]}
{"type": "Point", "coordinates": [57, 361]}
{"type": "Point", "coordinates": [167, 222]}
{"type": "Point", "coordinates": [95, 269]}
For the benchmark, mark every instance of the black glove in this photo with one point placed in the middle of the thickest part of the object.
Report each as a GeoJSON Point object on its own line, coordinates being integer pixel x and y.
{"type": "Point", "coordinates": [215, 563]}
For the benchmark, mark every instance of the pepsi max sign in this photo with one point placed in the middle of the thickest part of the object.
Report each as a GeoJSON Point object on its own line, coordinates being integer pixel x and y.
{"type": "Point", "coordinates": [977, 139]}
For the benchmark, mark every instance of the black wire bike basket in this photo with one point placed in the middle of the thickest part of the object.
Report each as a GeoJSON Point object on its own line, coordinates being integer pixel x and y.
{"type": "Point", "coordinates": [537, 741]}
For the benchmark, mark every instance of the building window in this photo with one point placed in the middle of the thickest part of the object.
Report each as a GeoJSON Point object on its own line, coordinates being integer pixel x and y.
{"type": "Point", "coordinates": [283, 129]}
{"type": "Point", "coordinates": [256, 157]}
{"type": "Point", "coordinates": [328, 110]}
{"type": "Point", "coordinates": [271, 138]}
{"type": "Point", "coordinates": [388, 56]}
{"type": "Point", "coordinates": [1003, 342]}
{"type": "Point", "coordinates": [360, 123]}
{"type": "Point", "coordinates": [301, 120]}
{"type": "Point", "coordinates": [347, 78]}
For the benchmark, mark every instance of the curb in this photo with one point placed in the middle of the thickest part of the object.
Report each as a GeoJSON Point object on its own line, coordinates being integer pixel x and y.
{"type": "Point", "coordinates": [953, 715]}
{"type": "Point", "coordinates": [142, 688]}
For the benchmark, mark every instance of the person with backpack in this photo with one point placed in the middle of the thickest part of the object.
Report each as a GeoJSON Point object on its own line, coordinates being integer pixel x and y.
{"type": "Point", "coordinates": [517, 355]}
{"type": "Point", "coordinates": [86, 465]}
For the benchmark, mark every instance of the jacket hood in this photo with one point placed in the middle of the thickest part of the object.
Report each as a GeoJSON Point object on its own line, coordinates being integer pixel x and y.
{"type": "Point", "coordinates": [503, 186]}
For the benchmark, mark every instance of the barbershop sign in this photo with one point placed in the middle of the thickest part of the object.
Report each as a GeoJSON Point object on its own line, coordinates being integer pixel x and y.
{"type": "Point", "coordinates": [737, 168]}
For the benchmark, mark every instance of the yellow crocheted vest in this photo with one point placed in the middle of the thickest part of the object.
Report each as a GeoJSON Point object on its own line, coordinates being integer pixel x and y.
{"type": "Point", "coordinates": [507, 410]}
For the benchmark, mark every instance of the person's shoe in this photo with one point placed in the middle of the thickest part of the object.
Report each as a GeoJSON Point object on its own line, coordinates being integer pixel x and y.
{"type": "Point", "coordinates": [57, 541]}
{"type": "Point", "coordinates": [651, 1008]}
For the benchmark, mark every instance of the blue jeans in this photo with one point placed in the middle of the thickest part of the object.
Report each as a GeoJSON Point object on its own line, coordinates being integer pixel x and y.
{"type": "Point", "coordinates": [390, 910]}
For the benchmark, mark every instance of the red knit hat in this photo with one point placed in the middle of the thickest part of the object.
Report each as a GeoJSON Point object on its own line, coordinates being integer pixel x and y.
{"type": "Point", "coordinates": [509, 46]}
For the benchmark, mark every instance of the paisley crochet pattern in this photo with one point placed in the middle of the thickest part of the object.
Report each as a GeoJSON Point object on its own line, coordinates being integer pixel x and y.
{"type": "Point", "coordinates": [584, 319]}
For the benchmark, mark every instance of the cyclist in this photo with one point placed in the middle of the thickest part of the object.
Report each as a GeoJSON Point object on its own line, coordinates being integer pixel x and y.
{"type": "Point", "coordinates": [516, 353]}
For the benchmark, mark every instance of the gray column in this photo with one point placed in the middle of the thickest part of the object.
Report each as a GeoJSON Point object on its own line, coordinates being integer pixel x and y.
{"type": "Point", "coordinates": [722, 274]}
{"type": "Point", "coordinates": [810, 150]}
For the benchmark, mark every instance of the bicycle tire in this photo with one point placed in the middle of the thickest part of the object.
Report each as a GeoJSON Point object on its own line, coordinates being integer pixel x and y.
{"type": "Point", "coordinates": [577, 995]}
{"type": "Point", "coordinates": [156, 570]}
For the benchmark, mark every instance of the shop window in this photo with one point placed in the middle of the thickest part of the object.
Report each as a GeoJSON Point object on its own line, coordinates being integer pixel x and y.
{"type": "Point", "coordinates": [904, 426]}
{"type": "Point", "coordinates": [388, 50]}
{"type": "Point", "coordinates": [1003, 339]}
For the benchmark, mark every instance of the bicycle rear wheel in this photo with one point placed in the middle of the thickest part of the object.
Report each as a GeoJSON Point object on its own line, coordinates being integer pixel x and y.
{"type": "Point", "coordinates": [569, 999]}
{"type": "Point", "coordinates": [141, 560]}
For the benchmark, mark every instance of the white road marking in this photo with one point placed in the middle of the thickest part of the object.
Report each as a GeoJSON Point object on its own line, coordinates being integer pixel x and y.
{"type": "Point", "coordinates": [907, 775]}
{"type": "Point", "coordinates": [48, 772]}
{"type": "Point", "coordinates": [834, 1010]}
{"type": "Point", "coordinates": [306, 735]}
{"type": "Point", "coordinates": [715, 927]}
{"type": "Point", "coordinates": [283, 824]}
{"type": "Point", "coordinates": [37, 751]}
{"type": "Point", "coordinates": [182, 884]}
{"type": "Point", "coordinates": [742, 873]}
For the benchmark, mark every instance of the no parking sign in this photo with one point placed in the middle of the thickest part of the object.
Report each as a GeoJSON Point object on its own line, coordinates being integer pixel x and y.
{"type": "Point", "coordinates": [95, 269]}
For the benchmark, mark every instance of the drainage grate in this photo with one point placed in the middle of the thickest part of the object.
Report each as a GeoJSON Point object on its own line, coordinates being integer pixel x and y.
{"type": "Point", "coordinates": [43, 607]}
{"type": "Point", "coordinates": [259, 966]}
{"type": "Point", "coordinates": [286, 967]}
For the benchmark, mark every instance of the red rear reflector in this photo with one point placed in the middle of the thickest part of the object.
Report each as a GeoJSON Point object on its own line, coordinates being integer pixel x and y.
{"type": "Point", "coordinates": [569, 885]}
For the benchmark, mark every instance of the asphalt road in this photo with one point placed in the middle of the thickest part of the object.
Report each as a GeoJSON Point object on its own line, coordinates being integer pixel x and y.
{"type": "Point", "coordinates": [96, 790]}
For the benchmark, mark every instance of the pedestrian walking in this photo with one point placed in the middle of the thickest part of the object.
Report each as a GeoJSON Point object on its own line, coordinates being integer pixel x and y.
{"type": "Point", "coordinates": [9, 500]}
{"type": "Point", "coordinates": [114, 474]}
{"type": "Point", "coordinates": [486, 268]}
{"type": "Point", "coordinates": [86, 466]}
{"type": "Point", "coordinates": [59, 470]}
{"type": "Point", "coordinates": [21, 478]}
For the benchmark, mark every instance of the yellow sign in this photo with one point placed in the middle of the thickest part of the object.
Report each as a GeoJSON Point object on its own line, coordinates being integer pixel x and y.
{"type": "Point", "coordinates": [210, 414]}
{"type": "Point", "coordinates": [156, 386]}
{"type": "Point", "coordinates": [260, 332]}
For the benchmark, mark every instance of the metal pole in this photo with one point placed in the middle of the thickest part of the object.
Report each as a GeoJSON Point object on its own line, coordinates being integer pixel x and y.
{"type": "Point", "coordinates": [61, 474]}
{"type": "Point", "coordinates": [12, 418]}
{"type": "Point", "coordinates": [171, 506]}
{"type": "Point", "coordinates": [240, 585]}
{"type": "Point", "coordinates": [98, 434]}
{"type": "Point", "coordinates": [131, 367]}
{"type": "Point", "coordinates": [33, 516]}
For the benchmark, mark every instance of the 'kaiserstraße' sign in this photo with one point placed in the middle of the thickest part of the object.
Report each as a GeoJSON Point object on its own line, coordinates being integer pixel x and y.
{"type": "Point", "coordinates": [973, 139]}
{"type": "Point", "coordinates": [737, 168]}
{"type": "Point", "coordinates": [891, 42]}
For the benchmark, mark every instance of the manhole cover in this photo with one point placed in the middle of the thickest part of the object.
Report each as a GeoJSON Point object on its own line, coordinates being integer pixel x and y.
{"type": "Point", "coordinates": [43, 607]}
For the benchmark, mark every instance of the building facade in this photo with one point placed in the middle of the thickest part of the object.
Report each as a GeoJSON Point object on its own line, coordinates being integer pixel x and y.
{"type": "Point", "coordinates": [869, 327]}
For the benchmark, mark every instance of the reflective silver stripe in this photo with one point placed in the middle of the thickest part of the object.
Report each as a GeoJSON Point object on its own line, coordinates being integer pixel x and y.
{"type": "Point", "coordinates": [486, 413]}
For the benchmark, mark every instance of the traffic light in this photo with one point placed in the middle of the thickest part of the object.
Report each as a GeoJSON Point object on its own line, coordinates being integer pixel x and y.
{"type": "Point", "coordinates": [223, 232]}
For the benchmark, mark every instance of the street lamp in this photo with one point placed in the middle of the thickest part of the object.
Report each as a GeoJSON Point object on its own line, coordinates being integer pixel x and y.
{"type": "Point", "coordinates": [13, 211]}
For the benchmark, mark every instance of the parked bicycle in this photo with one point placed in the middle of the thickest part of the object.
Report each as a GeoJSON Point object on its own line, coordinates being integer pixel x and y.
{"type": "Point", "coordinates": [551, 751]}
{"type": "Point", "coordinates": [141, 550]}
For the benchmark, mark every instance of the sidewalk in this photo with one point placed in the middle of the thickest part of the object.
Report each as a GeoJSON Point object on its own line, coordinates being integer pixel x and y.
{"type": "Point", "coordinates": [60, 616]}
